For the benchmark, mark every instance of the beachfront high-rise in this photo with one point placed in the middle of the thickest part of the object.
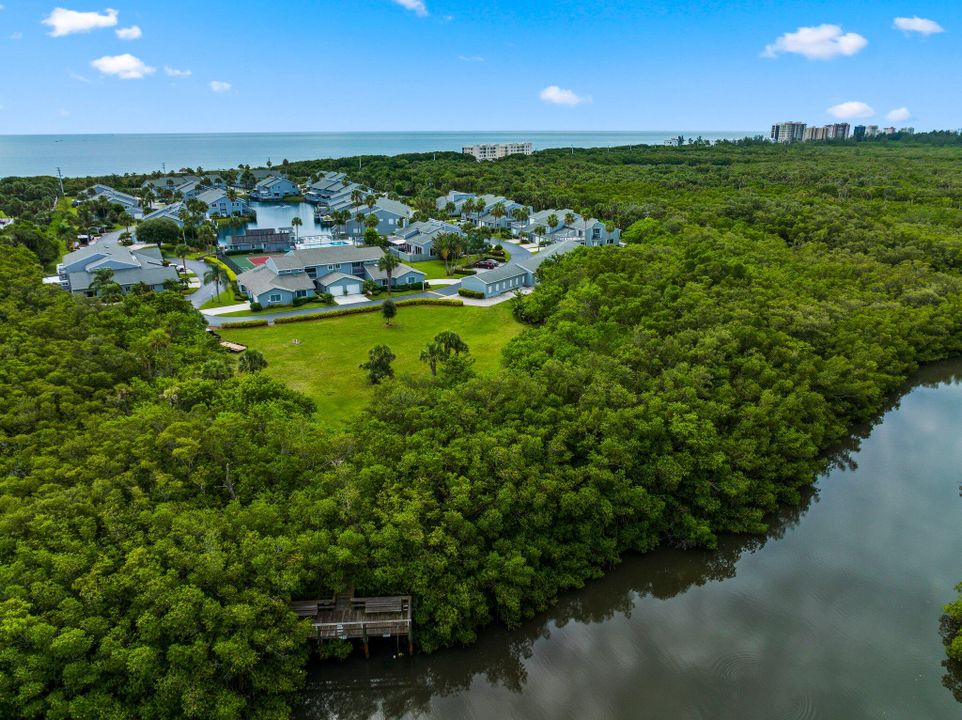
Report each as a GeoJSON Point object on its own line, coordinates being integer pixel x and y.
{"type": "Point", "coordinates": [500, 150]}
{"type": "Point", "coordinates": [788, 132]}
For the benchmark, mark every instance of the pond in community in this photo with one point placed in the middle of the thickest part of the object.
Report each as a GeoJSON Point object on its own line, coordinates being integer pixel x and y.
{"type": "Point", "coordinates": [835, 614]}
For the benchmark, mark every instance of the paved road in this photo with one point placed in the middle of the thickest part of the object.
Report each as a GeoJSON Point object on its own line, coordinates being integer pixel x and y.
{"type": "Point", "coordinates": [204, 292]}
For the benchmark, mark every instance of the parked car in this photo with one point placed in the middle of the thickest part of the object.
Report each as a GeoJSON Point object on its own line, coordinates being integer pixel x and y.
{"type": "Point", "coordinates": [486, 264]}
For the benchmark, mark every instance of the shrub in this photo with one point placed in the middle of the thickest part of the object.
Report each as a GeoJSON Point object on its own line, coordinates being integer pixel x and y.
{"type": "Point", "coordinates": [341, 312]}
{"type": "Point", "coordinates": [465, 271]}
{"type": "Point", "coordinates": [243, 324]}
{"type": "Point", "coordinates": [298, 301]}
{"type": "Point", "coordinates": [256, 306]}
{"type": "Point", "coordinates": [464, 292]}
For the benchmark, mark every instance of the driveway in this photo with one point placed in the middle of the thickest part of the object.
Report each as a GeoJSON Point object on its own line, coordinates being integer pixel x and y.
{"type": "Point", "coordinates": [207, 290]}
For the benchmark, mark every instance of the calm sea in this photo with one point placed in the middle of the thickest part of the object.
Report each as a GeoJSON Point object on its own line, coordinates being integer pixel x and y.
{"type": "Point", "coordinates": [81, 155]}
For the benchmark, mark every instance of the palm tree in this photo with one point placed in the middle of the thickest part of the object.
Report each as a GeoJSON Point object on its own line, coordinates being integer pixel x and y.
{"type": "Point", "coordinates": [359, 219]}
{"type": "Point", "coordinates": [432, 354]}
{"type": "Point", "coordinates": [498, 212]}
{"type": "Point", "coordinates": [569, 219]}
{"type": "Point", "coordinates": [467, 207]}
{"type": "Point", "coordinates": [372, 221]}
{"type": "Point", "coordinates": [387, 264]}
{"type": "Point", "coordinates": [451, 342]}
{"type": "Point", "coordinates": [186, 218]}
{"type": "Point", "coordinates": [450, 208]}
{"type": "Point", "coordinates": [443, 246]}
{"type": "Point", "coordinates": [216, 274]}
{"type": "Point", "coordinates": [182, 252]}
{"type": "Point", "coordinates": [521, 215]}
{"type": "Point", "coordinates": [357, 197]}
{"type": "Point", "coordinates": [296, 223]}
{"type": "Point", "coordinates": [207, 235]}
{"type": "Point", "coordinates": [126, 220]}
{"type": "Point", "coordinates": [539, 231]}
{"type": "Point", "coordinates": [147, 199]}
{"type": "Point", "coordinates": [370, 201]}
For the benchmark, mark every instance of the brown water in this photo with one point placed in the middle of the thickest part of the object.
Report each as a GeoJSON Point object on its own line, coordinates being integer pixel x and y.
{"type": "Point", "coordinates": [835, 614]}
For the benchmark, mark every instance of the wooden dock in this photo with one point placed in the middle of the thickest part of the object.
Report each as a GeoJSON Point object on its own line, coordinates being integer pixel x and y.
{"type": "Point", "coordinates": [346, 617]}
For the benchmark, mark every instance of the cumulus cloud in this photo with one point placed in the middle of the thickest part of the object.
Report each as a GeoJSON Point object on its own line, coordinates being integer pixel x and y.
{"type": "Point", "coordinates": [131, 33]}
{"type": "Point", "coordinates": [899, 114]}
{"type": "Point", "coordinates": [67, 22]}
{"type": "Point", "coordinates": [416, 6]}
{"type": "Point", "coordinates": [126, 66]}
{"type": "Point", "coordinates": [174, 72]}
{"type": "Point", "coordinates": [919, 25]}
{"type": "Point", "coordinates": [470, 58]}
{"type": "Point", "coordinates": [219, 86]}
{"type": "Point", "coordinates": [562, 96]}
{"type": "Point", "coordinates": [851, 110]}
{"type": "Point", "coordinates": [817, 43]}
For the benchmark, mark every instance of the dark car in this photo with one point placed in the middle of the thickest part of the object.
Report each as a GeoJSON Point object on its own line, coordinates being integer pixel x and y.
{"type": "Point", "coordinates": [486, 264]}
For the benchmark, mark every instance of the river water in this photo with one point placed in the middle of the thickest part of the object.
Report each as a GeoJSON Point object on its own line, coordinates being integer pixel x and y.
{"type": "Point", "coordinates": [835, 614]}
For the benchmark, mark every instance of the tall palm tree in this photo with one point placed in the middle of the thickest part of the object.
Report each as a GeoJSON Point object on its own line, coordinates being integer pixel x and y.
{"type": "Point", "coordinates": [125, 219]}
{"type": "Point", "coordinates": [182, 252]}
{"type": "Point", "coordinates": [216, 274]}
{"type": "Point", "coordinates": [207, 235]}
{"type": "Point", "coordinates": [103, 281]}
{"type": "Point", "coordinates": [450, 208]}
{"type": "Point", "coordinates": [296, 223]}
{"type": "Point", "coordinates": [539, 234]}
{"type": "Point", "coordinates": [498, 212]}
{"type": "Point", "coordinates": [147, 199]}
{"type": "Point", "coordinates": [186, 219]}
{"type": "Point", "coordinates": [442, 246]}
{"type": "Point", "coordinates": [552, 222]}
{"type": "Point", "coordinates": [570, 219]}
{"type": "Point", "coordinates": [359, 218]}
{"type": "Point", "coordinates": [370, 201]}
{"type": "Point", "coordinates": [432, 354]}
{"type": "Point", "coordinates": [387, 264]}
{"type": "Point", "coordinates": [467, 207]}
{"type": "Point", "coordinates": [521, 215]}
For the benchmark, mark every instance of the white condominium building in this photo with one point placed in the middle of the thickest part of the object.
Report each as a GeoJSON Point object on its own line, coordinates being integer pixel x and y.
{"type": "Point", "coordinates": [493, 152]}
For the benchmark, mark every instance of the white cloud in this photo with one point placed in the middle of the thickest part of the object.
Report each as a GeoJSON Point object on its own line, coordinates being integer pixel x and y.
{"type": "Point", "coordinates": [126, 66]}
{"type": "Point", "coordinates": [15, 36]}
{"type": "Point", "coordinates": [899, 114]}
{"type": "Point", "coordinates": [562, 96]}
{"type": "Point", "coordinates": [919, 25]}
{"type": "Point", "coordinates": [132, 33]}
{"type": "Point", "coordinates": [78, 77]}
{"type": "Point", "coordinates": [851, 110]}
{"type": "Point", "coordinates": [174, 72]}
{"type": "Point", "coordinates": [416, 6]}
{"type": "Point", "coordinates": [470, 58]}
{"type": "Point", "coordinates": [66, 22]}
{"type": "Point", "coordinates": [817, 43]}
{"type": "Point", "coordinates": [219, 86]}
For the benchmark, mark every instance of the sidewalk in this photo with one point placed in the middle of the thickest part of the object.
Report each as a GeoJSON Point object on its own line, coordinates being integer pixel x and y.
{"type": "Point", "coordinates": [226, 309]}
{"type": "Point", "coordinates": [496, 300]}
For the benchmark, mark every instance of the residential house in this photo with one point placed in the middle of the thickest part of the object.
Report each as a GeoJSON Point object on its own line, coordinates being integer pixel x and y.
{"type": "Point", "coordinates": [514, 275]}
{"type": "Point", "coordinates": [169, 212]}
{"type": "Point", "coordinates": [338, 270]}
{"type": "Point", "coordinates": [131, 267]}
{"type": "Point", "coordinates": [325, 187]}
{"type": "Point", "coordinates": [590, 233]}
{"type": "Point", "coordinates": [416, 241]}
{"type": "Point", "coordinates": [265, 240]}
{"type": "Point", "coordinates": [130, 203]}
{"type": "Point", "coordinates": [219, 203]}
{"type": "Point", "coordinates": [490, 202]}
{"type": "Point", "coordinates": [392, 215]}
{"type": "Point", "coordinates": [274, 188]}
{"type": "Point", "coordinates": [457, 199]}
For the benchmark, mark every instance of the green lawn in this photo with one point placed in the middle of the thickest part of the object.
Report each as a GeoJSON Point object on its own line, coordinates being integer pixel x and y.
{"type": "Point", "coordinates": [226, 297]}
{"type": "Point", "coordinates": [434, 269]}
{"type": "Point", "coordinates": [324, 365]}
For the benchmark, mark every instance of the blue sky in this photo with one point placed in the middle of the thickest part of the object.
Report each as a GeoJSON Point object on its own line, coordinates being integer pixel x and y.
{"type": "Point", "coordinates": [295, 65]}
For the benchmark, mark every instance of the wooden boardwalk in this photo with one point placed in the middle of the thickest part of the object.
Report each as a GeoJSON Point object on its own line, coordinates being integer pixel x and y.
{"type": "Point", "coordinates": [346, 617]}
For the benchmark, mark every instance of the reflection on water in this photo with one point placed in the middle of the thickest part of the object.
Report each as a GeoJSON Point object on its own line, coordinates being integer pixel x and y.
{"type": "Point", "coordinates": [277, 215]}
{"type": "Point", "coordinates": [836, 616]}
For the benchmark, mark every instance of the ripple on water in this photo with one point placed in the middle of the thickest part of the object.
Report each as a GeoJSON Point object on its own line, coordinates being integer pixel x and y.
{"type": "Point", "coordinates": [801, 707]}
{"type": "Point", "coordinates": [735, 666]}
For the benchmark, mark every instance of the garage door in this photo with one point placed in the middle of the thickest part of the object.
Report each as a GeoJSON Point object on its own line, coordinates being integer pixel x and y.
{"type": "Point", "coordinates": [352, 289]}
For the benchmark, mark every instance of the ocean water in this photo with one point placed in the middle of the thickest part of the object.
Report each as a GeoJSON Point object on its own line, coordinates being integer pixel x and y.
{"type": "Point", "coordinates": [82, 155]}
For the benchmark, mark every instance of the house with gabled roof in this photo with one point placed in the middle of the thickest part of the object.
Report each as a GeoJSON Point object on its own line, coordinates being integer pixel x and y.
{"type": "Point", "coordinates": [338, 270]}
{"type": "Point", "coordinates": [130, 203]}
{"type": "Point", "coordinates": [130, 267]}
{"type": "Point", "coordinates": [219, 203]}
{"type": "Point", "coordinates": [514, 275]}
{"type": "Point", "coordinates": [416, 241]}
{"type": "Point", "coordinates": [274, 188]}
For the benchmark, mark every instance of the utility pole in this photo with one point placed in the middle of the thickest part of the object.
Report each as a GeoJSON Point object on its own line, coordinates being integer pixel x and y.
{"type": "Point", "coordinates": [164, 166]}
{"type": "Point", "coordinates": [60, 177]}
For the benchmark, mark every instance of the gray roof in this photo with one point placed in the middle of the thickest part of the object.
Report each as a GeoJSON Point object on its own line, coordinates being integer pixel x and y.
{"type": "Point", "coordinates": [337, 254]}
{"type": "Point", "coordinates": [377, 274]}
{"type": "Point", "coordinates": [335, 276]}
{"type": "Point", "coordinates": [534, 262]}
{"type": "Point", "coordinates": [261, 279]}
{"type": "Point", "coordinates": [211, 196]}
{"type": "Point", "coordinates": [394, 206]}
{"type": "Point", "coordinates": [287, 262]}
{"type": "Point", "coordinates": [504, 272]}
{"type": "Point", "coordinates": [144, 266]}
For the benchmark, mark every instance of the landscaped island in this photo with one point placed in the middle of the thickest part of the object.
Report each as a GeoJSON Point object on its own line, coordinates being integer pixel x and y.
{"type": "Point", "coordinates": [161, 507]}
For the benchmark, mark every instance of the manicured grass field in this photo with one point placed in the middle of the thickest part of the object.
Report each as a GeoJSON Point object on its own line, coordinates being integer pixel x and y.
{"type": "Point", "coordinates": [324, 365]}
{"type": "Point", "coordinates": [226, 297]}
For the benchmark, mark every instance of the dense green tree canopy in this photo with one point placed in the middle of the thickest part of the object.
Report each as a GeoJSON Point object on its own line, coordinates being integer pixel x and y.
{"type": "Point", "coordinates": [158, 510]}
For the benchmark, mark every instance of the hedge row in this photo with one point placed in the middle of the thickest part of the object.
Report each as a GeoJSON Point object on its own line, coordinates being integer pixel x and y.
{"type": "Point", "coordinates": [243, 324]}
{"type": "Point", "coordinates": [464, 292]}
{"type": "Point", "coordinates": [341, 312]}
